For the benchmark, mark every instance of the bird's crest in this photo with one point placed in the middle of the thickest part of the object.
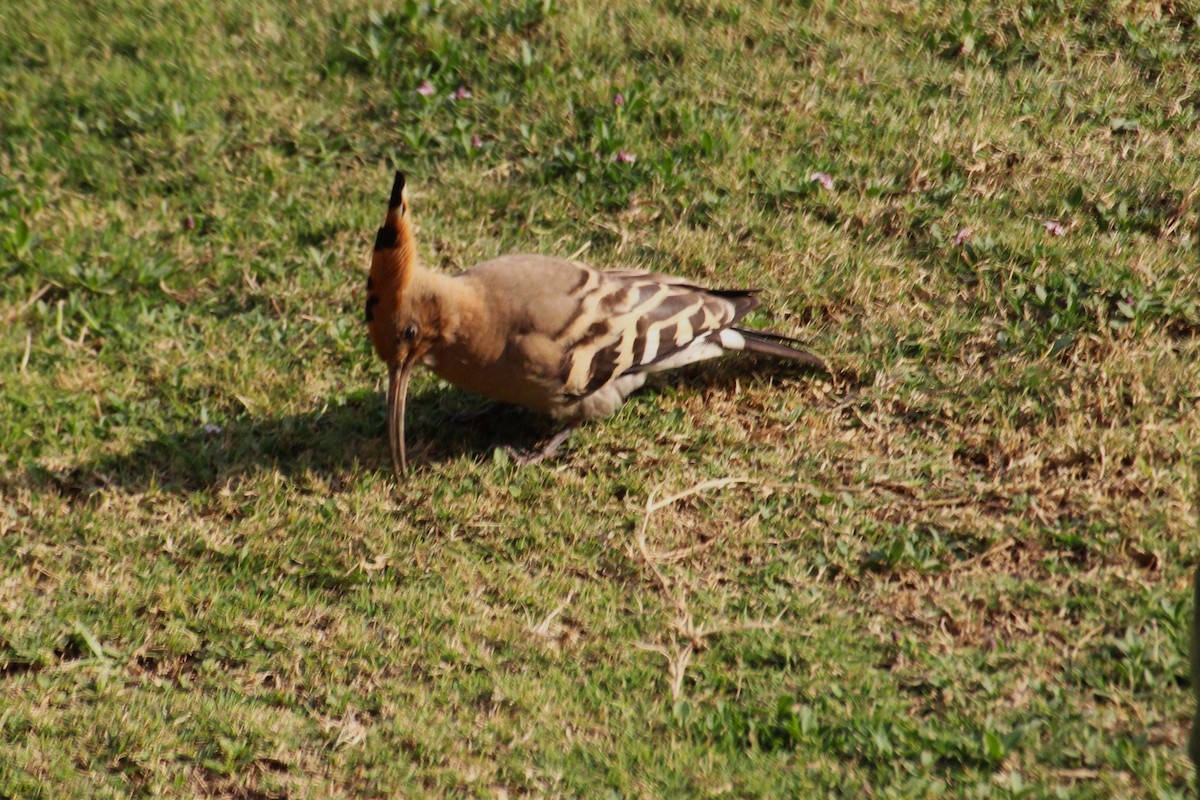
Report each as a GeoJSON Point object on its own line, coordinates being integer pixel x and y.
{"type": "Point", "coordinates": [394, 251]}
{"type": "Point", "coordinates": [392, 266]}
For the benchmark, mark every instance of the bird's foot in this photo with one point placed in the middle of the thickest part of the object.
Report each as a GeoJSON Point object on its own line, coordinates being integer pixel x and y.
{"type": "Point", "coordinates": [546, 451]}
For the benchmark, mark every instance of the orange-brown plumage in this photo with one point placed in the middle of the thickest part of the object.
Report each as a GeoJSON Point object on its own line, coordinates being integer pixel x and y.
{"type": "Point", "coordinates": [392, 266]}
{"type": "Point", "coordinates": [553, 335]}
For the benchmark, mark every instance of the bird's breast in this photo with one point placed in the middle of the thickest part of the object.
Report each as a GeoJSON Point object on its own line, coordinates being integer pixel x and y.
{"type": "Point", "coordinates": [498, 380]}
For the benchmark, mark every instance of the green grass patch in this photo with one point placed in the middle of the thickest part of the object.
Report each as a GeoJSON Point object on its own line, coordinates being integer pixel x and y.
{"type": "Point", "coordinates": [960, 568]}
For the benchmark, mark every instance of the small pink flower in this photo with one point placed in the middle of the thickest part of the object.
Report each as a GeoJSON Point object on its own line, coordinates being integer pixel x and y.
{"type": "Point", "coordinates": [625, 158]}
{"type": "Point", "coordinates": [189, 223]}
{"type": "Point", "coordinates": [597, 155]}
{"type": "Point", "coordinates": [461, 93]}
{"type": "Point", "coordinates": [618, 99]}
{"type": "Point", "coordinates": [822, 178]}
{"type": "Point", "coordinates": [1054, 227]}
{"type": "Point", "coordinates": [476, 141]}
{"type": "Point", "coordinates": [962, 236]}
{"type": "Point", "coordinates": [426, 89]}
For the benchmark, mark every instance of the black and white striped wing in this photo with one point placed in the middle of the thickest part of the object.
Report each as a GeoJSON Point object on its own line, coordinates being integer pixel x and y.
{"type": "Point", "coordinates": [631, 321]}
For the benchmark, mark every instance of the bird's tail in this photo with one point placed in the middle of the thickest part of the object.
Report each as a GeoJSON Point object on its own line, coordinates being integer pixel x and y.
{"type": "Point", "coordinates": [776, 346]}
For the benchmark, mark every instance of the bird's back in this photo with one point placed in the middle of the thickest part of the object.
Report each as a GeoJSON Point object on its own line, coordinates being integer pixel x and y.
{"type": "Point", "coordinates": [576, 331]}
{"type": "Point", "coordinates": [531, 292]}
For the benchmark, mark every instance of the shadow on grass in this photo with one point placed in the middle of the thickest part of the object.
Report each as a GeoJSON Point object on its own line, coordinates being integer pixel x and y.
{"type": "Point", "coordinates": [729, 371]}
{"type": "Point", "coordinates": [337, 440]}
{"type": "Point", "coordinates": [328, 443]}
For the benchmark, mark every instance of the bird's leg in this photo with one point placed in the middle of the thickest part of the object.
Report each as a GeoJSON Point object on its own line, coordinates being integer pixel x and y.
{"type": "Point", "coordinates": [546, 451]}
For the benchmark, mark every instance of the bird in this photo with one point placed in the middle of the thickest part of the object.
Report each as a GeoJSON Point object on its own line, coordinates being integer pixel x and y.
{"type": "Point", "coordinates": [554, 335]}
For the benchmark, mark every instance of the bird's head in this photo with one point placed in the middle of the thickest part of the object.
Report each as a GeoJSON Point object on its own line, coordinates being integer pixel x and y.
{"type": "Point", "coordinates": [399, 321]}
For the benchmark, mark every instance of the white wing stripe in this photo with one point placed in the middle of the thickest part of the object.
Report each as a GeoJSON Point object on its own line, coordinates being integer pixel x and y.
{"type": "Point", "coordinates": [731, 339]}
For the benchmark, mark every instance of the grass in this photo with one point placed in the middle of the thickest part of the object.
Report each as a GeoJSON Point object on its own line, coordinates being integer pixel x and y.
{"type": "Point", "coordinates": [960, 568]}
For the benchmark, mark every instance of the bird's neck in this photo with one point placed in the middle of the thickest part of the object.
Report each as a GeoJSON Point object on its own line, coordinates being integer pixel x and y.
{"type": "Point", "coordinates": [464, 320]}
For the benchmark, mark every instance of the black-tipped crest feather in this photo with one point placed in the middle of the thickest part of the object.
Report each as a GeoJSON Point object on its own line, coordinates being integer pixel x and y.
{"type": "Point", "coordinates": [397, 198]}
{"type": "Point", "coordinates": [387, 236]}
{"type": "Point", "coordinates": [385, 239]}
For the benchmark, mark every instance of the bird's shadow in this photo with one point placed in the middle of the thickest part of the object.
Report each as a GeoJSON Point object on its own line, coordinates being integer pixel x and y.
{"type": "Point", "coordinates": [335, 441]}
{"type": "Point", "coordinates": [329, 443]}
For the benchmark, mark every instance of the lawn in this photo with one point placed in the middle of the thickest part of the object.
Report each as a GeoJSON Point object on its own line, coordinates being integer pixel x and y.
{"type": "Point", "coordinates": [959, 566]}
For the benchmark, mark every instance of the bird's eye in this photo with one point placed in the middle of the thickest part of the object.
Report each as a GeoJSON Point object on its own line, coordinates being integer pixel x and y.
{"type": "Point", "coordinates": [410, 331]}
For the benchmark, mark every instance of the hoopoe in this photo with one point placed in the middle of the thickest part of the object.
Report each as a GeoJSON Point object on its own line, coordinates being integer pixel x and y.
{"type": "Point", "coordinates": [556, 336]}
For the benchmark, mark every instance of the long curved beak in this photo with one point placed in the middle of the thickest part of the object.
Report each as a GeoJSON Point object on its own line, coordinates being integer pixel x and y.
{"type": "Point", "coordinates": [396, 397]}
